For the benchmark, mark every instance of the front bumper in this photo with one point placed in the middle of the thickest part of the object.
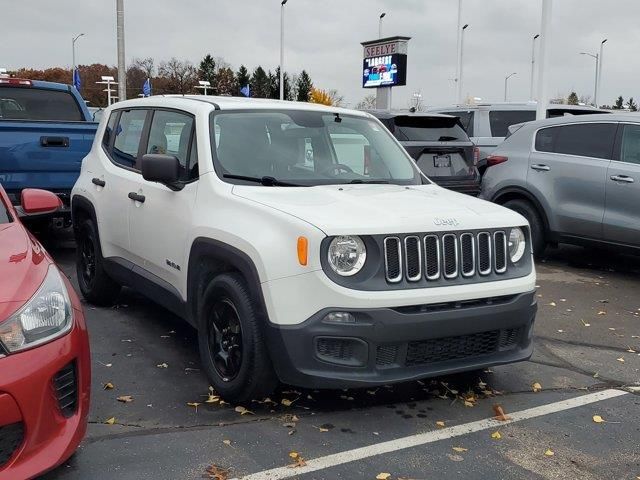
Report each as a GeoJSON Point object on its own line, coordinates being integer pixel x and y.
{"type": "Point", "coordinates": [388, 345]}
{"type": "Point", "coordinates": [34, 386]}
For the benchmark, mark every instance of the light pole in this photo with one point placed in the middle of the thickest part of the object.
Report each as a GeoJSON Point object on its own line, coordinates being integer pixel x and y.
{"type": "Point", "coordinates": [595, 88]}
{"type": "Point", "coordinates": [506, 80]}
{"type": "Point", "coordinates": [282, 4]}
{"type": "Point", "coordinates": [545, 34]}
{"type": "Point", "coordinates": [460, 64]}
{"type": "Point", "coordinates": [458, 52]}
{"type": "Point", "coordinates": [382, 15]}
{"type": "Point", "coordinates": [73, 53]}
{"type": "Point", "coordinates": [107, 80]}
{"type": "Point", "coordinates": [600, 67]}
{"type": "Point", "coordinates": [122, 73]}
{"type": "Point", "coordinates": [533, 64]}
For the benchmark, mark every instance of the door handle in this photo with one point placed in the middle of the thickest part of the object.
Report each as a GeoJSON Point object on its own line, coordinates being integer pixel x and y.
{"type": "Point", "coordinates": [540, 167]}
{"type": "Point", "coordinates": [54, 141]}
{"type": "Point", "coordinates": [622, 178]}
{"type": "Point", "coordinates": [98, 182]}
{"type": "Point", "coordinates": [137, 197]}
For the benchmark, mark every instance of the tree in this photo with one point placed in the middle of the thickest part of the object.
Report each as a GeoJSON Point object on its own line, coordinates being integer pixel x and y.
{"type": "Point", "coordinates": [619, 105]}
{"type": "Point", "coordinates": [135, 79]}
{"type": "Point", "coordinates": [242, 78]}
{"type": "Point", "coordinates": [303, 87]}
{"type": "Point", "coordinates": [367, 103]}
{"type": "Point", "coordinates": [274, 85]}
{"type": "Point", "coordinates": [207, 70]}
{"type": "Point", "coordinates": [180, 76]}
{"type": "Point", "coordinates": [225, 82]}
{"type": "Point", "coordinates": [573, 99]}
{"type": "Point", "coordinates": [259, 83]}
{"type": "Point", "coordinates": [326, 97]}
{"type": "Point", "coordinates": [631, 105]}
{"type": "Point", "coordinates": [147, 65]}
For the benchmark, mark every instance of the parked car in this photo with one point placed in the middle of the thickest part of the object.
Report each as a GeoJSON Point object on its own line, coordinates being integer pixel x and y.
{"type": "Point", "coordinates": [45, 131]}
{"type": "Point", "coordinates": [45, 369]}
{"type": "Point", "coordinates": [298, 254]}
{"type": "Point", "coordinates": [487, 124]}
{"type": "Point", "coordinates": [439, 145]}
{"type": "Point", "coordinates": [575, 179]}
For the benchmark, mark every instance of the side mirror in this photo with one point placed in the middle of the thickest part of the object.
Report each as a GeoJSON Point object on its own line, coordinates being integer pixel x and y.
{"type": "Point", "coordinates": [161, 168]}
{"type": "Point", "coordinates": [35, 201]}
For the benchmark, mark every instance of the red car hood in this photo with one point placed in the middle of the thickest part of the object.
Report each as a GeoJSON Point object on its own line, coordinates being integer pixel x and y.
{"type": "Point", "coordinates": [23, 266]}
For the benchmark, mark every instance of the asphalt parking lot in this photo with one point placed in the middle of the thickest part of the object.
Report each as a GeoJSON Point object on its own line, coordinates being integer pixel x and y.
{"type": "Point", "coordinates": [586, 364]}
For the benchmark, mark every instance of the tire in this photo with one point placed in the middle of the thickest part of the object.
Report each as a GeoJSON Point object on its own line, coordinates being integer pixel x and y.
{"type": "Point", "coordinates": [96, 286]}
{"type": "Point", "coordinates": [248, 373]}
{"type": "Point", "coordinates": [528, 211]}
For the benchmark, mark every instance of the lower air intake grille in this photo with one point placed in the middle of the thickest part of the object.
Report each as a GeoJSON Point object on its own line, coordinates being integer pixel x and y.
{"type": "Point", "coordinates": [65, 384]}
{"type": "Point", "coordinates": [386, 355]}
{"type": "Point", "coordinates": [452, 348]}
{"type": "Point", "coordinates": [11, 437]}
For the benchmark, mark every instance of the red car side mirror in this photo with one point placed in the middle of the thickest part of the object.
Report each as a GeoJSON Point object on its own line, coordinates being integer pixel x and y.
{"type": "Point", "coordinates": [34, 201]}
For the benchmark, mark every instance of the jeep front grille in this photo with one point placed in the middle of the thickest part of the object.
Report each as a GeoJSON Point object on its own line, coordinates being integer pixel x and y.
{"type": "Point", "coordinates": [444, 256]}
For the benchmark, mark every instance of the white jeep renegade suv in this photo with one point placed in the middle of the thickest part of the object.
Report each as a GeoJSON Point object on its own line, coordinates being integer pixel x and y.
{"type": "Point", "coordinates": [302, 242]}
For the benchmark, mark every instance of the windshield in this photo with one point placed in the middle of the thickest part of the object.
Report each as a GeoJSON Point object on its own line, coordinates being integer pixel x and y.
{"type": "Point", "coordinates": [290, 147]}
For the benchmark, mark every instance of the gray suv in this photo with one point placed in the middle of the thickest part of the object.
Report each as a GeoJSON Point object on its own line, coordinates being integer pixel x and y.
{"type": "Point", "coordinates": [576, 179]}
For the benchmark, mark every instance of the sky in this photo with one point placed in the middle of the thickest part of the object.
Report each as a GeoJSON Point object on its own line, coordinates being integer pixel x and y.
{"type": "Point", "coordinates": [323, 37]}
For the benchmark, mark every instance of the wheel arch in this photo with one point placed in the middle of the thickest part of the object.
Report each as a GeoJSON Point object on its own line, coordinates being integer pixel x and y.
{"type": "Point", "coordinates": [517, 193]}
{"type": "Point", "coordinates": [81, 207]}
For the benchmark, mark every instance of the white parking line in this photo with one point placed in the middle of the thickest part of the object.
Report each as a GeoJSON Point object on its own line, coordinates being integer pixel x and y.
{"type": "Point", "coordinates": [432, 436]}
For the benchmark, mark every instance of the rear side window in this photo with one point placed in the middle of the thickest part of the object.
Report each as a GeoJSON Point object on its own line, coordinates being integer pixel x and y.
{"type": "Point", "coordinates": [4, 214]}
{"type": "Point", "coordinates": [630, 148]}
{"type": "Point", "coordinates": [171, 134]}
{"type": "Point", "coordinates": [585, 140]}
{"type": "Point", "coordinates": [466, 119]}
{"type": "Point", "coordinates": [108, 132]}
{"type": "Point", "coordinates": [128, 134]}
{"type": "Point", "coordinates": [28, 103]}
{"type": "Point", "coordinates": [429, 129]}
{"type": "Point", "coordinates": [501, 120]}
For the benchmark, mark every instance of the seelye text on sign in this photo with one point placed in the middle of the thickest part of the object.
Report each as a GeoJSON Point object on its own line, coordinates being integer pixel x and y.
{"type": "Point", "coordinates": [388, 46]}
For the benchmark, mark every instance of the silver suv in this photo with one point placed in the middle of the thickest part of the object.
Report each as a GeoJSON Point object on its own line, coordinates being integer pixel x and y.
{"type": "Point", "coordinates": [487, 124]}
{"type": "Point", "coordinates": [576, 179]}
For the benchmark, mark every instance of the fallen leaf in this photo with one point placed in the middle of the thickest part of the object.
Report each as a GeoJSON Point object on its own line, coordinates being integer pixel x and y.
{"type": "Point", "coordinates": [227, 442]}
{"type": "Point", "coordinates": [536, 387]}
{"type": "Point", "coordinates": [631, 350]}
{"type": "Point", "coordinates": [214, 472]}
{"type": "Point", "coordinates": [549, 453]}
{"type": "Point", "coordinates": [212, 398]}
{"type": "Point", "coordinates": [440, 424]}
{"type": "Point", "coordinates": [585, 323]}
{"type": "Point", "coordinates": [500, 415]}
{"type": "Point", "coordinates": [552, 304]}
{"type": "Point", "coordinates": [286, 402]}
{"type": "Point", "coordinates": [243, 411]}
{"type": "Point", "coordinates": [467, 403]}
{"type": "Point", "coordinates": [125, 398]}
{"type": "Point", "coordinates": [383, 476]}
{"type": "Point", "coordinates": [162, 365]}
{"type": "Point", "coordinates": [598, 419]}
{"type": "Point", "coordinates": [560, 331]}
{"type": "Point", "coordinates": [602, 312]}
{"type": "Point", "coordinates": [455, 458]}
{"type": "Point", "coordinates": [299, 461]}
{"type": "Point", "coordinates": [194, 405]}
{"type": "Point", "coordinates": [621, 360]}
{"type": "Point", "coordinates": [110, 421]}
{"type": "Point", "coordinates": [460, 449]}
{"type": "Point", "coordinates": [496, 435]}
{"type": "Point", "coordinates": [107, 386]}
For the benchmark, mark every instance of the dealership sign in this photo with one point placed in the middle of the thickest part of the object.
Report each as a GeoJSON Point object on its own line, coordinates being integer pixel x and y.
{"type": "Point", "coordinates": [385, 62]}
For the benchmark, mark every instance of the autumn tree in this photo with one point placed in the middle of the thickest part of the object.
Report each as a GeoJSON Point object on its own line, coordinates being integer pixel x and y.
{"type": "Point", "coordinates": [303, 87]}
{"type": "Point", "coordinates": [225, 82]}
{"type": "Point", "coordinates": [259, 83]}
{"type": "Point", "coordinates": [326, 97]}
{"type": "Point", "coordinates": [147, 65]}
{"type": "Point", "coordinates": [181, 75]}
{"type": "Point", "coordinates": [242, 78]}
{"type": "Point", "coordinates": [367, 103]}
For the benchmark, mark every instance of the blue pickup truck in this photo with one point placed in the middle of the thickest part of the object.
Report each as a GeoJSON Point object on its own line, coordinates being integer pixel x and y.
{"type": "Point", "coordinates": [45, 132]}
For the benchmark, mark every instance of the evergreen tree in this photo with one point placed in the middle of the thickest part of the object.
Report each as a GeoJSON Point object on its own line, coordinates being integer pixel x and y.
{"type": "Point", "coordinates": [619, 105]}
{"type": "Point", "coordinates": [242, 78]}
{"type": "Point", "coordinates": [573, 99]}
{"type": "Point", "coordinates": [303, 87]}
{"type": "Point", "coordinates": [207, 70]}
{"type": "Point", "coordinates": [631, 105]}
{"type": "Point", "coordinates": [260, 83]}
{"type": "Point", "coordinates": [274, 90]}
{"type": "Point", "coordinates": [226, 82]}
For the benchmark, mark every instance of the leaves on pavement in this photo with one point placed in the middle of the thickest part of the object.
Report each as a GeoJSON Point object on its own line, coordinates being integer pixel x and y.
{"type": "Point", "coordinates": [440, 424]}
{"type": "Point", "coordinates": [460, 449]}
{"type": "Point", "coordinates": [107, 386]}
{"type": "Point", "coordinates": [243, 411]}
{"type": "Point", "coordinates": [383, 476]}
{"type": "Point", "coordinates": [549, 453]}
{"type": "Point", "coordinates": [110, 421]}
{"type": "Point", "coordinates": [298, 460]}
{"type": "Point", "coordinates": [500, 415]}
{"type": "Point", "coordinates": [536, 387]}
{"type": "Point", "coordinates": [194, 405]}
{"type": "Point", "coordinates": [214, 472]}
{"type": "Point", "coordinates": [496, 435]}
{"type": "Point", "coordinates": [125, 398]}
{"type": "Point", "coordinates": [598, 419]}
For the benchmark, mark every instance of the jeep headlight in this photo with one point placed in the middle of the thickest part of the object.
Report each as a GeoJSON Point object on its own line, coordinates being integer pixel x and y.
{"type": "Point", "coordinates": [517, 244]}
{"type": "Point", "coordinates": [346, 255]}
{"type": "Point", "coordinates": [46, 316]}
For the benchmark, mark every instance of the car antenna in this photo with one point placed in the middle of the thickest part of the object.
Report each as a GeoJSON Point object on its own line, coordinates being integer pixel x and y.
{"type": "Point", "coordinates": [337, 119]}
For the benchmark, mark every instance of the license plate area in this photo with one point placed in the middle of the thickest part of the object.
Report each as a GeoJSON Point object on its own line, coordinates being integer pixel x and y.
{"type": "Point", "coordinates": [442, 161]}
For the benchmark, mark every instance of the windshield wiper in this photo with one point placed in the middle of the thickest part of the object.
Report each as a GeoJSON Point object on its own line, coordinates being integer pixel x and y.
{"type": "Point", "coordinates": [357, 180]}
{"type": "Point", "coordinates": [266, 180]}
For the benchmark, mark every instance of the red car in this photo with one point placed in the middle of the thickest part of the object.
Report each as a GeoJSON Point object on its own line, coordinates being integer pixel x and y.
{"type": "Point", "coordinates": [45, 369]}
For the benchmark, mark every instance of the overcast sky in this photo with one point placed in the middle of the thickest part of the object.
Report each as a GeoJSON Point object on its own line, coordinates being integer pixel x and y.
{"type": "Point", "coordinates": [324, 38]}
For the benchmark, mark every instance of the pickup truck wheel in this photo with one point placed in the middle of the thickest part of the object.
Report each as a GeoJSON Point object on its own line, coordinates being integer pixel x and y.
{"type": "Point", "coordinates": [233, 351]}
{"type": "Point", "coordinates": [528, 211]}
{"type": "Point", "coordinates": [96, 286]}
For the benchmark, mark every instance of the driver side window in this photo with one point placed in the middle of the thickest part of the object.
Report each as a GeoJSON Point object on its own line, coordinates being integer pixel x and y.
{"type": "Point", "coordinates": [172, 133]}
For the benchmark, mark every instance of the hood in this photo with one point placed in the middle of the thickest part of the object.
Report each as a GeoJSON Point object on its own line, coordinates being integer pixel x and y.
{"type": "Point", "coordinates": [382, 209]}
{"type": "Point", "coordinates": [23, 266]}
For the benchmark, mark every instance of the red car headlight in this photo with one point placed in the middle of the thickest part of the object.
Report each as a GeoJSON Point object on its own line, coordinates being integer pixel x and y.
{"type": "Point", "coordinates": [46, 316]}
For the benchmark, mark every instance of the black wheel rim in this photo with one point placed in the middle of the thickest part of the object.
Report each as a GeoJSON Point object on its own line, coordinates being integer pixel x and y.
{"type": "Point", "coordinates": [225, 339]}
{"type": "Point", "coordinates": [87, 260]}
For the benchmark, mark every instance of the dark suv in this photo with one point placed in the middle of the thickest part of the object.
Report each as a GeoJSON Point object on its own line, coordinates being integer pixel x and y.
{"type": "Point", "coordinates": [440, 147]}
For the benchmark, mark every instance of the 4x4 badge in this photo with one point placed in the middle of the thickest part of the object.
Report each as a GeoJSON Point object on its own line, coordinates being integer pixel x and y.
{"type": "Point", "coordinates": [452, 222]}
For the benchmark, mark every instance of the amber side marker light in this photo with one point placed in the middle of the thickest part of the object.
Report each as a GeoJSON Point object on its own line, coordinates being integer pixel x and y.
{"type": "Point", "coordinates": [303, 250]}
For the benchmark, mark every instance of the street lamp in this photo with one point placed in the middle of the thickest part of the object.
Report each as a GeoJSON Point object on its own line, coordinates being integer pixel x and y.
{"type": "Point", "coordinates": [282, 4]}
{"type": "Point", "coordinates": [533, 63]}
{"type": "Point", "coordinates": [461, 64]}
{"type": "Point", "coordinates": [122, 67]}
{"type": "Point", "coordinates": [545, 37]}
{"type": "Point", "coordinates": [595, 89]}
{"type": "Point", "coordinates": [458, 51]}
{"type": "Point", "coordinates": [600, 68]}
{"type": "Point", "coordinates": [382, 15]}
{"type": "Point", "coordinates": [73, 53]}
{"type": "Point", "coordinates": [506, 80]}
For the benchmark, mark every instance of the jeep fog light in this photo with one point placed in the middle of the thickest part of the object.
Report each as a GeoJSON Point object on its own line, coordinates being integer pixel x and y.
{"type": "Point", "coordinates": [346, 255]}
{"type": "Point", "coordinates": [339, 317]}
{"type": "Point", "coordinates": [517, 244]}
